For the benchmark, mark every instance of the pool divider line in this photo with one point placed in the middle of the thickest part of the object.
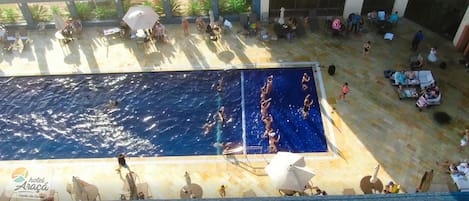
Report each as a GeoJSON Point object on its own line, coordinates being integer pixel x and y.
{"type": "Point", "coordinates": [243, 114]}
{"type": "Point", "coordinates": [323, 103]}
{"type": "Point", "coordinates": [219, 126]}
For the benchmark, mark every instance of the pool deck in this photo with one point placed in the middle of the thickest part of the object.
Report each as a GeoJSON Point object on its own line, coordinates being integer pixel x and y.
{"type": "Point", "coordinates": [372, 126]}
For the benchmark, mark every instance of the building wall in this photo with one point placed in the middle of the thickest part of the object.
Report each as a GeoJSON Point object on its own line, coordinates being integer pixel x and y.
{"type": "Point", "coordinates": [400, 6]}
{"type": "Point", "coordinates": [352, 6]}
{"type": "Point", "coordinates": [464, 22]}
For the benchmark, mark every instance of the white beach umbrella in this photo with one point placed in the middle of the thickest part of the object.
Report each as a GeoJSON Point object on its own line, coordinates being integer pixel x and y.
{"type": "Point", "coordinates": [59, 22]}
{"type": "Point", "coordinates": [287, 171]}
{"type": "Point", "coordinates": [140, 17]}
{"type": "Point", "coordinates": [211, 17]}
{"type": "Point", "coordinates": [374, 178]}
{"type": "Point", "coordinates": [281, 20]}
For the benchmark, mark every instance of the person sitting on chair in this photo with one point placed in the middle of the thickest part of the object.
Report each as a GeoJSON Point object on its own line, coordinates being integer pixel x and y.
{"type": "Point", "coordinates": [418, 63]}
{"type": "Point", "coordinates": [200, 24]}
{"type": "Point", "coordinates": [211, 33]}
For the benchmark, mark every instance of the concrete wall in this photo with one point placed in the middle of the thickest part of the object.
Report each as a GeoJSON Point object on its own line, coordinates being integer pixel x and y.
{"type": "Point", "coordinates": [400, 6]}
{"type": "Point", "coordinates": [352, 6]}
{"type": "Point", "coordinates": [464, 22]}
{"type": "Point", "coordinates": [265, 10]}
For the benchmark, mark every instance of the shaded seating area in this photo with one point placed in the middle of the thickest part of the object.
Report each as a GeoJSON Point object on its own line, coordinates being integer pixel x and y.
{"type": "Point", "coordinates": [16, 43]}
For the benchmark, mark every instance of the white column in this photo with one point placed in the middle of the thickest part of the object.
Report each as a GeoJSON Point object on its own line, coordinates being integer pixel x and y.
{"type": "Point", "coordinates": [352, 6]}
{"type": "Point", "coordinates": [464, 22]}
{"type": "Point", "coordinates": [264, 10]}
{"type": "Point", "coordinates": [400, 6]}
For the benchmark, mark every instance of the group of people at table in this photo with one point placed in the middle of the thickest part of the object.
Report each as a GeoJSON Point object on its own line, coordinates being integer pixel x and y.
{"type": "Point", "coordinates": [355, 22]}
{"type": "Point", "coordinates": [157, 32]}
{"type": "Point", "coordinates": [12, 43]}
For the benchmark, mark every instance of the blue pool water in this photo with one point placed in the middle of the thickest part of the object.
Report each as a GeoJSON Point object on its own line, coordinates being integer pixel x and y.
{"type": "Point", "coordinates": [158, 114]}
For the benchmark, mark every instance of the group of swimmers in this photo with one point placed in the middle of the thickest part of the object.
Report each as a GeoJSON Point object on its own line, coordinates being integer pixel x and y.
{"type": "Point", "coordinates": [308, 102]}
{"type": "Point", "coordinates": [220, 116]}
{"type": "Point", "coordinates": [267, 118]}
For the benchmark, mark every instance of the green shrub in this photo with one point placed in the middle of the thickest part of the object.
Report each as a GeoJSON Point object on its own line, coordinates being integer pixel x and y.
{"type": "Point", "coordinates": [234, 6]}
{"type": "Point", "coordinates": [85, 12]}
{"type": "Point", "coordinates": [55, 10]}
{"type": "Point", "coordinates": [176, 9]}
{"type": "Point", "coordinates": [39, 13]}
{"type": "Point", "coordinates": [102, 12]}
{"type": "Point", "coordinates": [198, 7]}
{"type": "Point", "coordinates": [9, 14]}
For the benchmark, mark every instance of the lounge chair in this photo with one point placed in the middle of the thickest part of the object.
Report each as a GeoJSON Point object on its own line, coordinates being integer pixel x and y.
{"type": "Point", "coordinates": [424, 79]}
{"type": "Point", "coordinates": [434, 101]}
{"type": "Point", "coordinates": [137, 189]}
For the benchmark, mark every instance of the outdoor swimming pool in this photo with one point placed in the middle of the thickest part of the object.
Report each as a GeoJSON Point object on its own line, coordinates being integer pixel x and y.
{"type": "Point", "coordinates": [157, 114]}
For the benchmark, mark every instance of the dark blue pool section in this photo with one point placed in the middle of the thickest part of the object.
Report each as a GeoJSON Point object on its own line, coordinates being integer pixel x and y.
{"type": "Point", "coordinates": [296, 133]}
{"type": "Point", "coordinates": [157, 114]}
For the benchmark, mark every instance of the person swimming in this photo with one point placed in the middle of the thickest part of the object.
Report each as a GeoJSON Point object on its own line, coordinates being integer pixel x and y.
{"type": "Point", "coordinates": [221, 114]}
{"type": "Point", "coordinates": [263, 93]}
{"type": "Point", "coordinates": [220, 85]}
{"type": "Point", "coordinates": [307, 106]}
{"type": "Point", "coordinates": [268, 122]}
{"type": "Point", "coordinates": [305, 81]}
{"type": "Point", "coordinates": [208, 126]}
{"type": "Point", "coordinates": [112, 103]}
{"type": "Point", "coordinates": [264, 106]}
{"type": "Point", "coordinates": [269, 84]}
{"type": "Point", "coordinates": [273, 142]}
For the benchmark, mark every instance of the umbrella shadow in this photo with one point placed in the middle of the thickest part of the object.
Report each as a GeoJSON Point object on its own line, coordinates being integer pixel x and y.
{"type": "Point", "coordinates": [191, 191]}
{"type": "Point", "coordinates": [370, 188]}
{"type": "Point", "coordinates": [255, 170]}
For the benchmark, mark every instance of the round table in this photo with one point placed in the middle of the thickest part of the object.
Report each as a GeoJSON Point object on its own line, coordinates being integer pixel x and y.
{"type": "Point", "coordinates": [191, 191]}
{"type": "Point", "coordinates": [59, 35]}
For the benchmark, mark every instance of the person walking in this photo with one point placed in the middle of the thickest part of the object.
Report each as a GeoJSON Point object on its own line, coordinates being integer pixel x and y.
{"type": "Point", "coordinates": [418, 37]}
{"type": "Point", "coordinates": [464, 140]}
{"type": "Point", "coordinates": [188, 178]}
{"type": "Point", "coordinates": [122, 163]}
{"type": "Point", "coordinates": [432, 55]}
{"type": "Point", "coordinates": [222, 191]}
{"type": "Point", "coordinates": [185, 25]}
{"type": "Point", "coordinates": [345, 91]}
{"type": "Point", "coordinates": [366, 48]}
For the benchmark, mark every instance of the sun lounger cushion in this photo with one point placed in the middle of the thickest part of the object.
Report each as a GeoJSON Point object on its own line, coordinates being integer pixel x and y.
{"type": "Point", "coordinates": [426, 78]}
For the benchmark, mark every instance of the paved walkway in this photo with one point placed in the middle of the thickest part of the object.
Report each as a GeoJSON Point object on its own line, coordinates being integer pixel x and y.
{"type": "Point", "coordinates": [371, 127]}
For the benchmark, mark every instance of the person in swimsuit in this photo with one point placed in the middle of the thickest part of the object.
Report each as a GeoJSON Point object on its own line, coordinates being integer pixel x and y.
{"type": "Point", "coordinates": [305, 81]}
{"type": "Point", "coordinates": [269, 84]}
{"type": "Point", "coordinates": [345, 91]}
{"type": "Point", "coordinates": [268, 122]}
{"type": "Point", "coordinates": [264, 106]}
{"type": "Point", "coordinates": [273, 143]}
{"type": "Point", "coordinates": [263, 93]}
{"type": "Point", "coordinates": [122, 163]}
{"type": "Point", "coordinates": [220, 85]}
{"type": "Point", "coordinates": [221, 114]}
{"type": "Point", "coordinates": [307, 103]}
{"type": "Point", "coordinates": [208, 127]}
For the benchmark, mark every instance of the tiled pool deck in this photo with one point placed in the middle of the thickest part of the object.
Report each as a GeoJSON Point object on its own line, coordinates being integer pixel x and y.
{"type": "Point", "coordinates": [371, 127]}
